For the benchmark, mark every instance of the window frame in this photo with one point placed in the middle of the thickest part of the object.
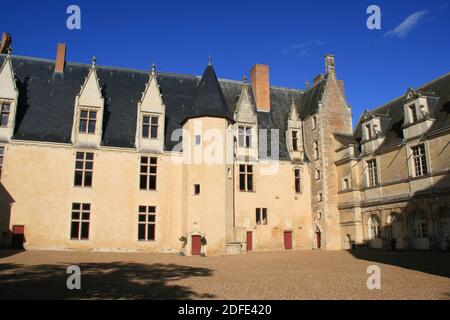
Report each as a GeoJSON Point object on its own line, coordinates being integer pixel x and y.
{"type": "Point", "coordinates": [81, 221]}
{"type": "Point", "coordinates": [245, 136]}
{"type": "Point", "coordinates": [88, 121]}
{"type": "Point", "coordinates": [414, 116]}
{"type": "Point", "coordinates": [247, 176]}
{"type": "Point", "coordinates": [151, 178]}
{"type": "Point", "coordinates": [316, 150]}
{"type": "Point", "coordinates": [261, 217]}
{"type": "Point", "coordinates": [3, 112]}
{"type": "Point", "coordinates": [150, 128]}
{"type": "Point", "coordinates": [85, 172]}
{"type": "Point", "coordinates": [295, 138]}
{"type": "Point", "coordinates": [149, 214]}
{"type": "Point", "coordinates": [372, 176]}
{"type": "Point", "coordinates": [297, 180]}
{"type": "Point", "coordinates": [419, 162]}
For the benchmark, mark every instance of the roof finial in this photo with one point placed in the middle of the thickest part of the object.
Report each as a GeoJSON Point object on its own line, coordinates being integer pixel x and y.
{"type": "Point", "coordinates": [244, 79]}
{"type": "Point", "coordinates": [153, 69]}
{"type": "Point", "coordinates": [307, 84]}
{"type": "Point", "coordinates": [210, 60]}
{"type": "Point", "coordinates": [94, 61]}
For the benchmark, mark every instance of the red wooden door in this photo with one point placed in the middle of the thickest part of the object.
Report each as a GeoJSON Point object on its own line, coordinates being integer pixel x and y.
{"type": "Point", "coordinates": [288, 240]}
{"type": "Point", "coordinates": [18, 237]}
{"type": "Point", "coordinates": [319, 240]}
{"type": "Point", "coordinates": [249, 241]}
{"type": "Point", "coordinates": [196, 245]}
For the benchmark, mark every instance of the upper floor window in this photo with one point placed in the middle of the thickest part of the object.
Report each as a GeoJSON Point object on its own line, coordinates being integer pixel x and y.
{"type": "Point", "coordinates": [245, 177]}
{"type": "Point", "coordinates": [88, 120]}
{"type": "Point", "coordinates": [148, 173]}
{"type": "Point", "coordinates": [147, 223]}
{"type": "Point", "coordinates": [150, 127]}
{"type": "Point", "coordinates": [245, 136]}
{"type": "Point", "coordinates": [198, 139]}
{"type": "Point", "coordinates": [345, 184]}
{"type": "Point", "coordinates": [5, 111]}
{"type": "Point", "coordinates": [295, 140]}
{"type": "Point", "coordinates": [317, 174]}
{"type": "Point", "coordinates": [372, 173]}
{"type": "Point", "coordinates": [84, 169]}
{"type": "Point", "coordinates": [196, 189]}
{"type": "Point", "coordinates": [413, 113]}
{"type": "Point", "coordinates": [369, 134]}
{"type": "Point", "coordinates": [261, 216]}
{"type": "Point", "coordinates": [2, 154]}
{"type": "Point", "coordinates": [316, 150]}
{"type": "Point", "coordinates": [314, 122]}
{"type": "Point", "coordinates": [297, 181]}
{"type": "Point", "coordinates": [79, 229]}
{"type": "Point", "coordinates": [420, 160]}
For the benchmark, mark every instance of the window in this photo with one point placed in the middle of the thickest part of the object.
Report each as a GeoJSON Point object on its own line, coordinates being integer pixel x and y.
{"type": "Point", "coordinates": [148, 173]}
{"type": "Point", "coordinates": [413, 113]}
{"type": "Point", "coordinates": [198, 139]}
{"type": "Point", "coordinates": [261, 216]}
{"type": "Point", "coordinates": [80, 221]}
{"type": "Point", "coordinates": [245, 137]}
{"type": "Point", "coordinates": [245, 177]}
{"type": "Point", "coordinates": [368, 132]}
{"type": "Point", "coordinates": [345, 184]}
{"type": "Point", "coordinates": [374, 227]}
{"type": "Point", "coordinates": [2, 154]}
{"type": "Point", "coordinates": [88, 119]}
{"type": "Point", "coordinates": [320, 197]}
{"type": "Point", "coordinates": [420, 160]}
{"type": "Point", "coordinates": [317, 175]}
{"type": "Point", "coordinates": [316, 150]}
{"type": "Point", "coordinates": [146, 223]}
{"type": "Point", "coordinates": [150, 127]}
{"type": "Point", "coordinates": [4, 117]}
{"type": "Point", "coordinates": [84, 169]}
{"type": "Point", "coordinates": [196, 189]}
{"type": "Point", "coordinates": [372, 173]}
{"type": "Point", "coordinates": [314, 122]}
{"type": "Point", "coordinates": [295, 140]}
{"type": "Point", "coordinates": [297, 181]}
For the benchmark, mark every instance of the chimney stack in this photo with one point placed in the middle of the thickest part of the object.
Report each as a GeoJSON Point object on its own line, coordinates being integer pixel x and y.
{"type": "Point", "coordinates": [259, 77]}
{"type": "Point", "coordinates": [60, 58]}
{"type": "Point", "coordinates": [5, 44]}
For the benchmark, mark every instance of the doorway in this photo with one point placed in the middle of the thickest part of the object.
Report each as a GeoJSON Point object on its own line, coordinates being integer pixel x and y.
{"type": "Point", "coordinates": [18, 237]}
{"type": "Point", "coordinates": [288, 240]}
{"type": "Point", "coordinates": [249, 240]}
{"type": "Point", "coordinates": [196, 248]}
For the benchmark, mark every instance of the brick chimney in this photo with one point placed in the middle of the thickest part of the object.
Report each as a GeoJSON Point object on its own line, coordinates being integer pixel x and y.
{"type": "Point", "coordinates": [259, 77]}
{"type": "Point", "coordinates": [60, 58]}
{"type": "Point", "coordinates": [5, 44]}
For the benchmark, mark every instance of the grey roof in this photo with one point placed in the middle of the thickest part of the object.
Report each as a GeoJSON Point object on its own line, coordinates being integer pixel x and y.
{"type": "Point", "coordinates": [46, 101]}
{"type": "Point", "coordinates": [439, 110]}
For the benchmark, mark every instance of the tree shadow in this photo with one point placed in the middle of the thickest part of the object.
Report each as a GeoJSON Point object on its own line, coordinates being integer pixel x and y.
{"type": "Point", "coordinates": [115, 280]}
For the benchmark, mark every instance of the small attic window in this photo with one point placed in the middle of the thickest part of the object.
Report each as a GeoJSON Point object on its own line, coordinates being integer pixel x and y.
{"type": "Point", "coordinates": [413, 113]}
{"type": "Point", "coordinates": [5, 110]}
{"type": "Point", "coordinates": [294, 140]}
{"type": "Point", "coordinates": [369, 131]}
{"type": "Point", "coordinates": [198, 139]}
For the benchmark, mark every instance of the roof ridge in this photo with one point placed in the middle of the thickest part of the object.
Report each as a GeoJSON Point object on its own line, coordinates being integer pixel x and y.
{"type": "Point", "coordinates": [418, 88]}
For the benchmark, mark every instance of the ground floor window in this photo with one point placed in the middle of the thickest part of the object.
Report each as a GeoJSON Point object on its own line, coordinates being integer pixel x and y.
{"type": "Point", "coordinates": [81, 213]}
{"type": "Point", "coordinates": [146, 223]}
{"type": "Point", "coordinates": [261, 216]}
{"type": "Point", "coordinates": [374, 227]}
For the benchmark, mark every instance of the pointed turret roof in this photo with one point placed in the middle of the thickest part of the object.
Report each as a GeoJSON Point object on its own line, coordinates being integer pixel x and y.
{"type": "Point", "coordinates": [209, 100]}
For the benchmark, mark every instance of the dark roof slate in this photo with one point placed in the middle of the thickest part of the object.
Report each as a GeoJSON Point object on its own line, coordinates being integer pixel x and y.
{"type": "Point", "coordinates": [46, 101]}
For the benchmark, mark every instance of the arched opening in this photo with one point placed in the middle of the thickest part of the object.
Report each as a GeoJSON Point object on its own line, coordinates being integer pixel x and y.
{"type": "Point", "coordinates": [394, 231]}
{"type": "Point", "coordinates": [420, 231]}
{"type": "Point", "coordinates": [374, 232]}
{"type": "Point", "coordinates": [443, 228]}
{"type": "Point", "coordinates": [348, 242]}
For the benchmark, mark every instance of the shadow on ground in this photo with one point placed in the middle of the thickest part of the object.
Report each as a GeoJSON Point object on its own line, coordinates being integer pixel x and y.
{"type": "Point", "coordinates": [436, 263]}
{"type": "Point", "coordinates": [116, 280]}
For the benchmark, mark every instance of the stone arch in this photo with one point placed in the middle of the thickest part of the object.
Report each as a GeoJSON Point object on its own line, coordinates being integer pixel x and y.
{"type": "Point", "coordinates": [420, 228]}
{"type": "Point", "coordinates": [374, 231]}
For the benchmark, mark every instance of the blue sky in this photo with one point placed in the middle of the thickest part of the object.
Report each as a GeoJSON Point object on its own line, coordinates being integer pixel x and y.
{"type": "Point", "coordinates": [291, 36]}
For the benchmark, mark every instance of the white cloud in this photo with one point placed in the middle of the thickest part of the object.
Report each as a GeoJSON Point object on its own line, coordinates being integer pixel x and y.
{"type": "Point", "coordinates": [304, 46]}
{"type": "Point", "coordinates": [406, 26]}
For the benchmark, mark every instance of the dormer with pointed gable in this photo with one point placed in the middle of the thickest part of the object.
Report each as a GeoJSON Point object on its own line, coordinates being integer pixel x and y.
{"type": "Point", "coordinates": [246, 126]}
{"type": "Point", "coordinates": [374, 127]}
{"type": "Point", "coordinates": [417, 107]}
{"type": "Point", "coordinates": [8, 100]}
{"type": "Point", "coordinates": [294, 137]}
{"type": "Point", "coordinates": [88, 113]}
{"type": "Point", "coordinates": [151, 117]}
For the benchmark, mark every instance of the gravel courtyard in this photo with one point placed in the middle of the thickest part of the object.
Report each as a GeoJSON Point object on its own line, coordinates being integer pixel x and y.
{"type": "Point", "coordinates": [258, 275]}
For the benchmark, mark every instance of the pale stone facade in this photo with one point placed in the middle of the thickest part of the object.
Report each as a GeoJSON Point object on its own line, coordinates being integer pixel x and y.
{"type": "Point", "coordinates": [122, 164]}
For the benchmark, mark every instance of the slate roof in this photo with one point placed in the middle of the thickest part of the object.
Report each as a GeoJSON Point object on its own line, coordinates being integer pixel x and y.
{"type": "Point", "coordinates": [46, 101]}
{"type": "Point", "coordinates": [439, 110]}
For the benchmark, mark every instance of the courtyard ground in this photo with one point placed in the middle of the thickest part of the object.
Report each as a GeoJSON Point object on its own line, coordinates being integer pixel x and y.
{"type": "Point", "coordinates": [257, 275]}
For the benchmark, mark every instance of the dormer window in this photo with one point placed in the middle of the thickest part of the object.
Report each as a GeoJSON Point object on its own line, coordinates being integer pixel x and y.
{"type": "Point", "coordinates": [245, 136]}
{"type": "Point", "coordinates": [150, 127]}
{"type": "Point", "coordinates": [295, 140]}
{"type": "Point", "coordinates": [88, 120]}
{"type": "Point", "coordinates": [5, 111]}
{"type": "Point", "coordinates": [413, 113]}
{"type": "Point", "coordinates": [369, 134]}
